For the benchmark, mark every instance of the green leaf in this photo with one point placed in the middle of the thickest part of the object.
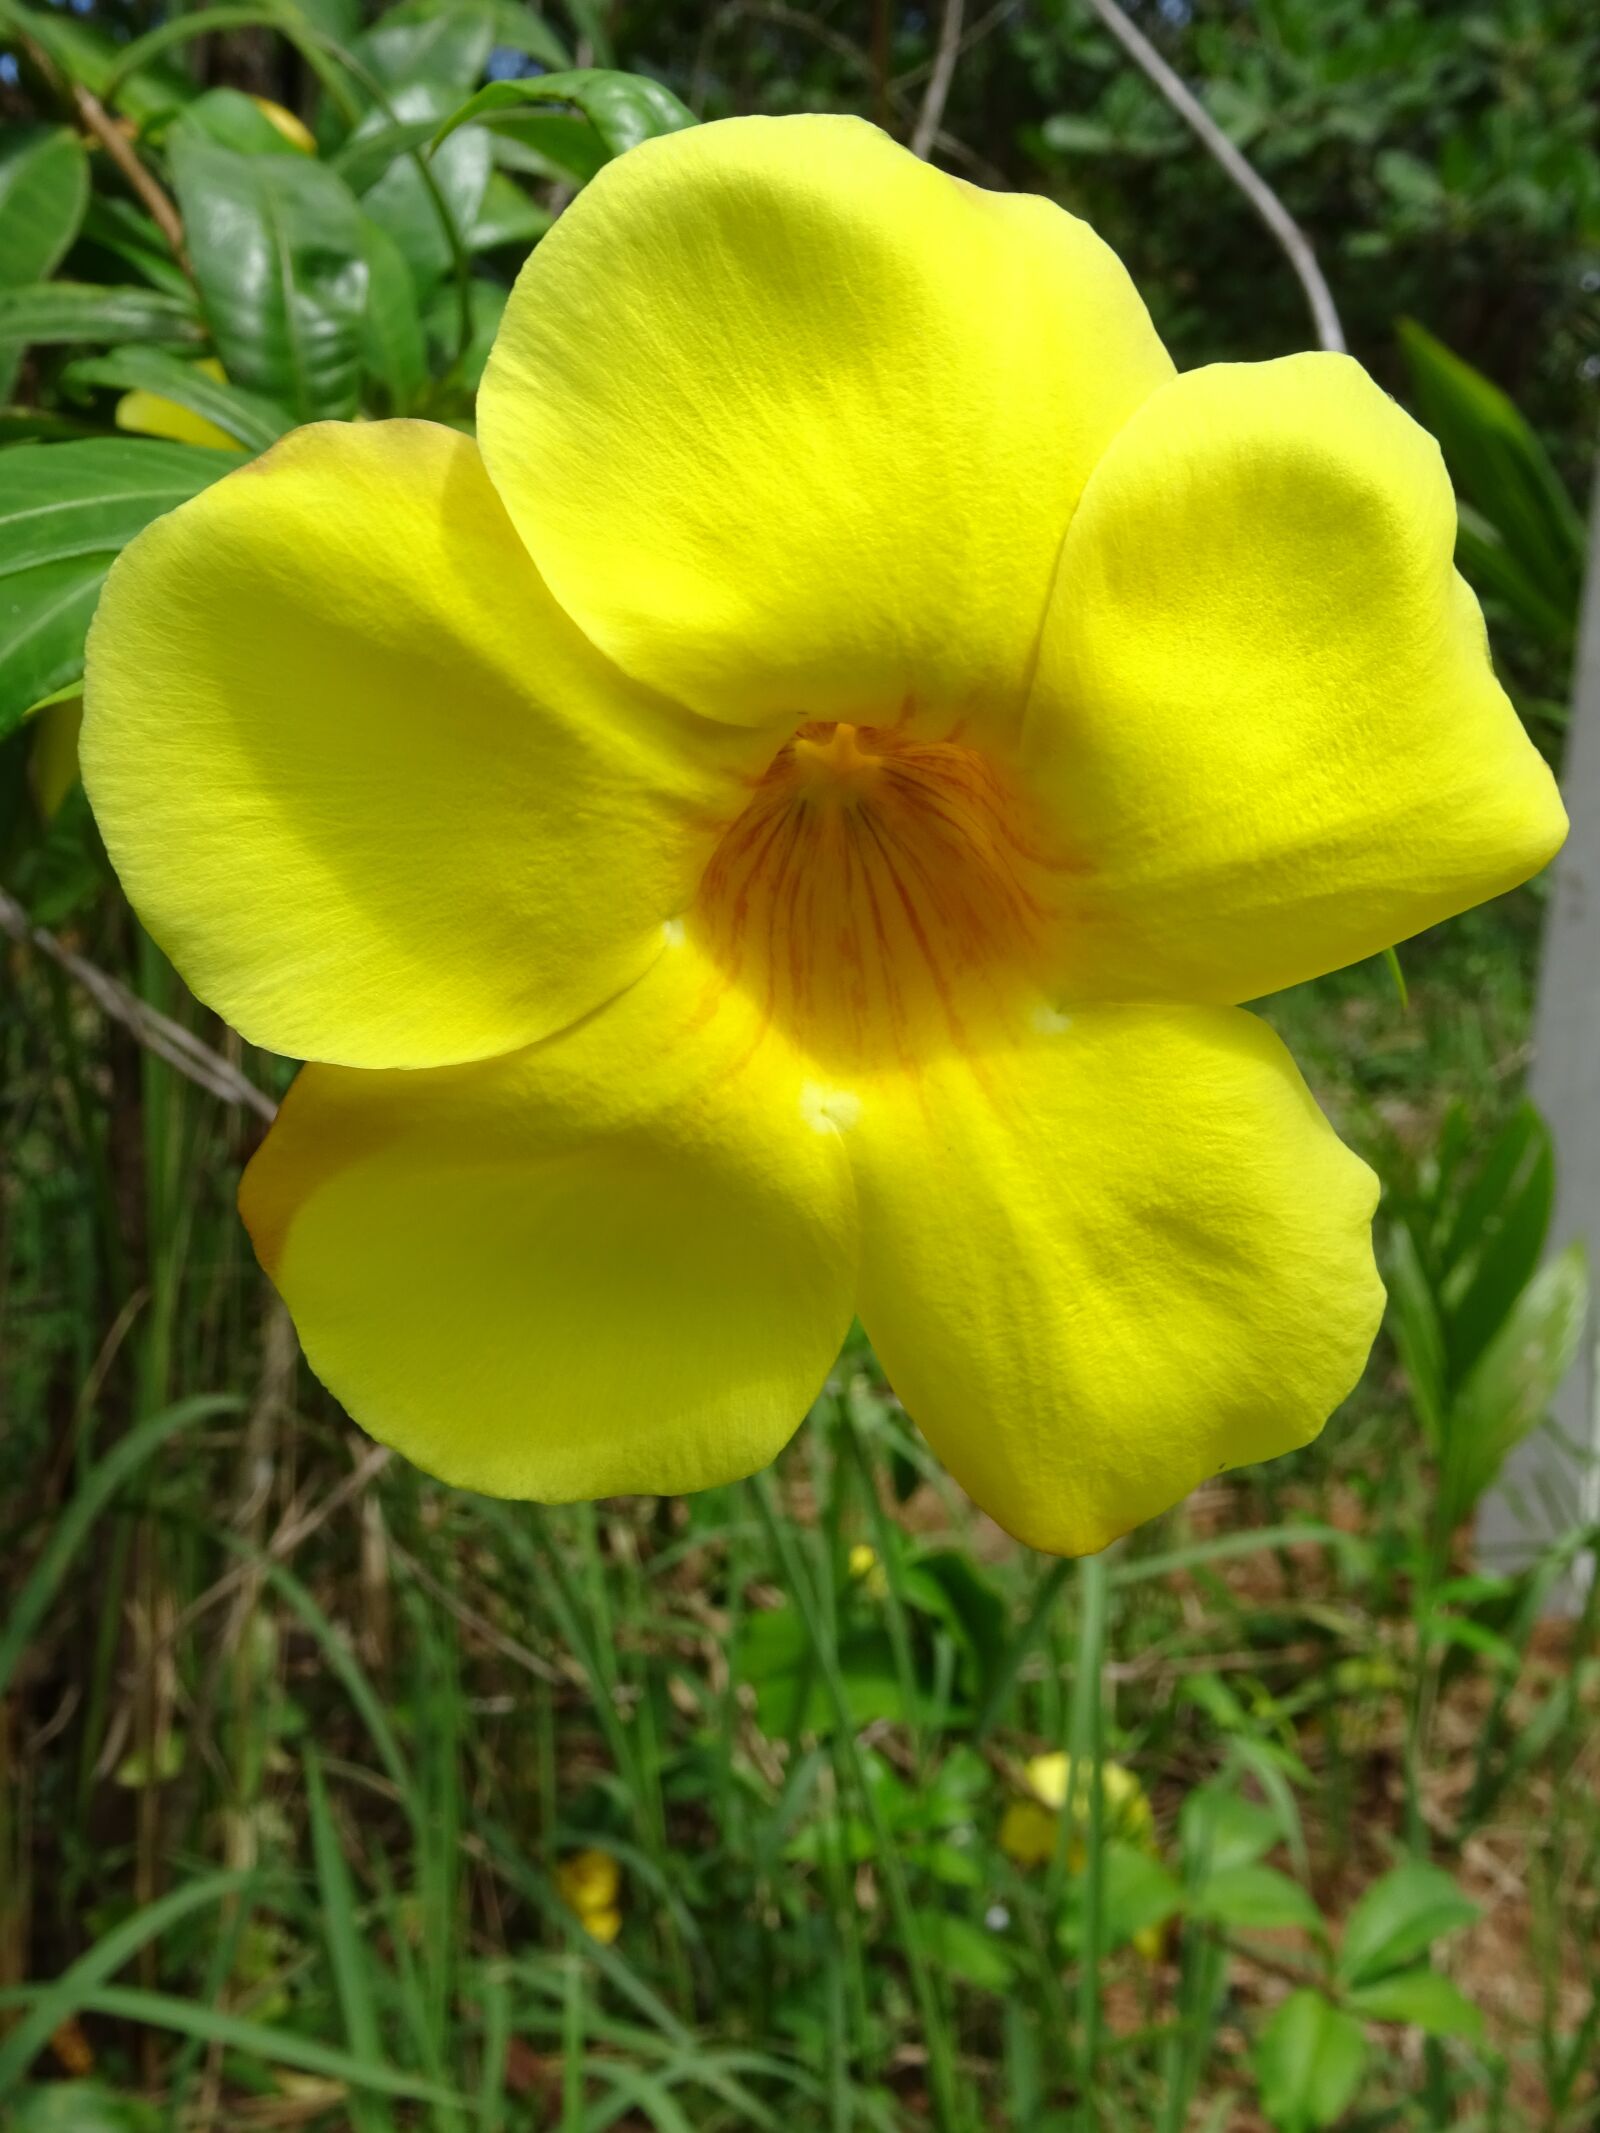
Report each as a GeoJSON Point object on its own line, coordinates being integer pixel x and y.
{"type": "Point", "coordinates": [350, 1956]}
{"type": "Point", "coordinates": [1499, 465]}
{"type": "Point", "coordinates": [1425, 1999]}
{"type": "Point", "coordinates": [276, 246]}
{"type": "Point", "coordinates": [229, 119]}
{"type": "Point", "coordinates": [488, 301]}
{"type": "Point", "coordinates": [44, 189]}
{"type": "Point", "coordinates": [65, 311]}
{"type": "Point", "coordinates": [446, 42]}
{"type": "Point", "coordinates": [968, 1952]}
{"type": "Point", "coordinates": [254, 421]}
{"type": "Point", "coordinates": [65, 511]}
{"type": "Point", "coordinates": [1255, 1898]}
{"type": "Point", "coordinates": [557, 145]}
{"type": "Point", "coordinates": [1309, 2059]}
{"type": "Point", "coordinates": [506, 215]}
{"type": "Point", "coordinates": [1399, 1918]}
{"type": "Point", "coordinates": [1220, 1830]}
{"type": "Point", "coordinates": [88, 55]}
{"type": "Point", "coordinates": [1509, 1389]}
{"type": "Point", "coordinates": [624, 109]}
{"type": "Point", "coordinates": [80, 2107]}
{"type": "Point", "coordinates": [394, 356]}
{"type": "Point", "coordinates": [401, 202]}
{"type": "Point", "coordinates": [129, 236]}
{"type": "Point", "coordinates": [1137, 1894]}
{"type": "Point", "coordinates": [519, 29]}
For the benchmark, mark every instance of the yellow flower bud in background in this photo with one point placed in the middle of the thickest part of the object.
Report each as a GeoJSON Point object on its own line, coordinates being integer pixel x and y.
{"type": "Point", "coordinates": [589, 1884]}
{"type": "Point", "coordinates": [294, 131]}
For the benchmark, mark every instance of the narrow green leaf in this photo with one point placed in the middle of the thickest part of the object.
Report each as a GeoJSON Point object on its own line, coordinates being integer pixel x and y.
{"type": "Point", "coordinates": [254, 421]}
{"type": "Point", "coordinates": [348, 1952]}
{"type": "Point", "coordinates": [1398, 1918]}
{"type": "Point", "coordinates": [1509, 1389]}
{"type": "Point", "coordinates": [53, 2003]}
{"type": "Point", "coordinates": [65, 311]}
{"type": "Point", "coordinates": [259, 2040]}
{"type": "Point", "coordinates": [1309, 2059]}
{"type": "Point", "coordinates": [276, 246]}
{"type": "Point", "coordinates": [71, 1527]}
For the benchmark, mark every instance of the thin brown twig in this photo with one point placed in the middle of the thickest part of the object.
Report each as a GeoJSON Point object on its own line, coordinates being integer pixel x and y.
{"type": "Point", "coordinates": [117, 146]}
{"type": "Point", "coordinates": [158, 1033]}
{"type": "Point", "coordinates": [1294, 241]}
{"type": "Point", "coordinates": [938, 90]}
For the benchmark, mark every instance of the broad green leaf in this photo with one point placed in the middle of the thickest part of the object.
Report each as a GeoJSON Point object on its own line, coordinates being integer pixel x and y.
{"type": "Point", "coordinates": [1509, 1389]}
{"type": "Point", "coordinates": [65, 511]}
{"type": "Point", "coordinates": [1309, 2059]}
{"type": "Point", "coordinates": [1425, 1999]}
{"type": "Point", "coordinates": [1255, 1898]}
{"type": "Point", "coordinates": [44, 189]}
{"type": "Point", "coordinates": [68, 311]}
{"type": "Point", "coordinates": [560, 146]}
{"type": "Point", "coordinates": [624, 109]}
{"type": "Point", "coordinates": [393, 354]}
{"type": "Point", "coordinates": [276, 246]}
{"type": "Point", "coordinates": [254, 421]}
{"type": "Point", "coordinates": [402, 202]}
{"type": "Point", "coordinates": [1399, 1918]}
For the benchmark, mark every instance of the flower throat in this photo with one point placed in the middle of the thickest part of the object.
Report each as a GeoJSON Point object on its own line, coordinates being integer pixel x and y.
{"type": "Point", "coordinates": [879, 895]}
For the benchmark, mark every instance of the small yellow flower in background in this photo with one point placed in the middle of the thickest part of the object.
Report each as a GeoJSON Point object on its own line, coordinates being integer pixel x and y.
{"type": "Point", "coordinates": [150, 414]}
{"type": "Point", "coordinates": [1029, 1825]}
{"type": "Point", "coordinates": [867, 1571]}
{"type": "Point", "coordinates": [294, 130]}
{"type": "Point", "coordinates": [780, 829]}
{"type": "Point", "coordinates": [589, 1884]}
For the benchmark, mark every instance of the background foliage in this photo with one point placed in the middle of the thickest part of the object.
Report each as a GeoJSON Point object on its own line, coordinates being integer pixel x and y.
{"type": "Point", "coordinates": [330, 1797]}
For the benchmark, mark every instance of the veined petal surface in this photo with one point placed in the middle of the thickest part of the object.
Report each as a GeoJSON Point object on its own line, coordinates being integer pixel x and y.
{"type": "Point", "coordinates": [793, 423]}
{"type": "Point", "coordinates": [1265, 720]}
{"type": "Point", "coordinates": [619, 1261]}
{"type": "Point", "coordinates": [1110, 1262]}
{"type": "Point", "coordinates": [374, 793]}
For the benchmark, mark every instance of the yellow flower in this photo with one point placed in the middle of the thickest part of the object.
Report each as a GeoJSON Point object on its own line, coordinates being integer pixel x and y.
{"type": "Point", "coordinates": [588, 1884]}
{"type": "Point", "coordinates": [1028, 1826]}
{"type": "Point", "coordinates": [154, 415]}
{"type": "Point", "coordinates": [781, 827]}
{"type": "Point", "coordinates": [867, 1571]}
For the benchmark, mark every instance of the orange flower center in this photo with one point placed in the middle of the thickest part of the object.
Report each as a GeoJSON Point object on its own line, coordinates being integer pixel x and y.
{"type": "Point", "coordinates": [880, 895]}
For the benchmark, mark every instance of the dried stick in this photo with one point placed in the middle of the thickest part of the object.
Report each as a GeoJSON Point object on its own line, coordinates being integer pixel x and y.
{"type": "Point", "coordinates": [1296, 245]}
{"type": "Point", "coordinates": [116, 145]}
{"type": "Point", "coordinates": [167, 1039]}
{"type": "Point", "coordinates": [938, 89]}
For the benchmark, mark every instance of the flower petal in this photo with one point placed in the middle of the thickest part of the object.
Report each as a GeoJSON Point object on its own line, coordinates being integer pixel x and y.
{"type": "Point", "coordinates": [620, 1261]}
{"type": "Point", "coordinates": [793, 422]}
{"type": "Point", "coordinates": [1265, 718]}
{"type": "Point", "coordinates": [1111, 1262]}
{"type": "Point", "coordinates": [373, 792]}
